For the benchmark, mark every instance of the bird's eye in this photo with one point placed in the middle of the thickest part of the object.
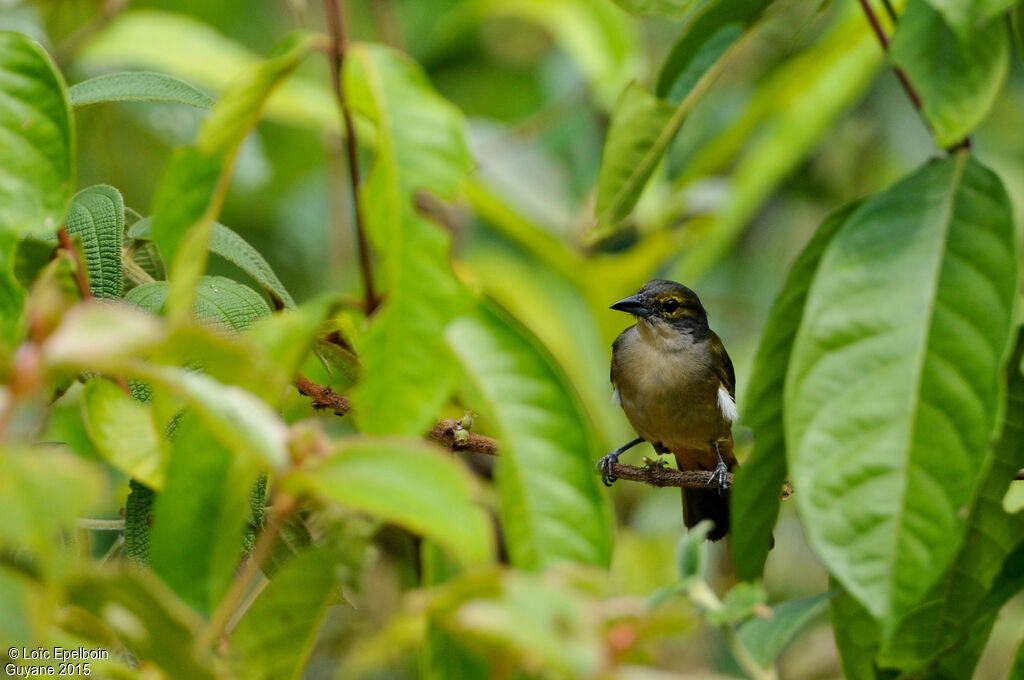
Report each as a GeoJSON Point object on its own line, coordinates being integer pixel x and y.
{"type": "Point", "coordinates": [670, 305]}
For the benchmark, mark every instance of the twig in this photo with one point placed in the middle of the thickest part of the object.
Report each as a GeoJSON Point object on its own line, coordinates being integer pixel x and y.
{"type": "Point", "coordinates": [336, 28]}
{"type": "Point", "coordinates": [283, 506]}
{"type": "Point", "coordinates": [100, 524]}
{"type": "Point", "coordinates": [884, 41]}
{"type": "Point", "coordinates": [448, 433]}
{"type": "Point", "coordinates": [66, 244]}
{"type": "Point", "coordinates": [323, 397]}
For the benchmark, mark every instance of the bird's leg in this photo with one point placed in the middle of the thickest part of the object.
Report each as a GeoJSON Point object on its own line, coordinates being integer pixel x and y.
{"type": "Point", "coordinates": [605, 464]}
{"type": "Point", "coordinates": [721, 471]}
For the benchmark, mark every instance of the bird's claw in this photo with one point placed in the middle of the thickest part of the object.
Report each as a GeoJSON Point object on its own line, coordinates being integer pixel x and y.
{"type": "Point", "coordinates": [604, 465]}
{"type": "Point", "coordinates": [720, 477]}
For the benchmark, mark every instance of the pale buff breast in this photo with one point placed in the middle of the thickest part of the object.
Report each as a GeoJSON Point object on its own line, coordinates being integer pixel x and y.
{"type": "Point", "coordinates": [668, 389]}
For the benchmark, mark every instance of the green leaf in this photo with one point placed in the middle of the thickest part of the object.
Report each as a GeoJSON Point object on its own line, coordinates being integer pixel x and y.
{"type": "Point", "coordinates": [957, 81]}
{"type": "Point", "coordinates": [124, 432]}
{"type": "Point", "coordinates": [12, 296]}
{"type": "Point", "coordinates": [552, 508]}
{"type": "Point", "coordinates": [857, 637]}
{"type": "Point", "coordinates": [36, 156]}
{"type": "Point", "coordinates": [138, 513]}
{"type": "Point", "coordinates": [1017, 672]}
{"type": "Point", "coordinates": [692, 551]}
{"type": "Point", "coordinates": [954, 605]}
{"type": "Point", "coordinates": [151, 622]}
{"type": "Point", "coordinates": [756, 491]}
{"type": "Point", "coordinates": [767, 638]}
{"type": "Point", "coordinates": [893, 386]}
{"type": "Point", "coordinates": [789, 115]}
{"type": "Point", "coordinates": [193, 189]}
{"type": "Point", "coordinates": [407, 482]}
{"type": "Point", "coordinates": [199, 519]}
{"type": "Point", "coordinates": [966, 17]}
{"type": "Point", "coordinates": [99, 337]}
{"type": "Point", "coordinates": [97, 216]}
{"type": "Point", "coordinates": [630, 153]}
{"type": "Point", "coordinates": [671, 9]}
{"type": "Point", "coordinates": [194, 51]}
{"type": "Point", "coordinates": [420, 145]}
{"type": "Point", "coordinates": [714, 27]}
{"type": "Point", "coordinates": [42, 491]}
{"type": "Point", "coordinates": [136, 86]}
{"type": "Point", "coordinates": [220, 302]}
{"type": "Point", "coordinates": [275, 638]}
{"type": "Point", "coordinates": [233, 248]}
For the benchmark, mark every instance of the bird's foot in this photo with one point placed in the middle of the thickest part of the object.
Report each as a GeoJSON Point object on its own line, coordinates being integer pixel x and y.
{"type": "Point", "coordinates": [605, 466]}
{"type": "Point", "coordinates": [720, 477]}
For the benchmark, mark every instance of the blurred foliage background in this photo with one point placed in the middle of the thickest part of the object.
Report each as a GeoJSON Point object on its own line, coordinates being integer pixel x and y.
{"type": "Point", "coordinates": [805, 119]}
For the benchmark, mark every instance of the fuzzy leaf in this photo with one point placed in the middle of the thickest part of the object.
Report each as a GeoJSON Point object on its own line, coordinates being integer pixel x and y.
{"type": "Point", "coordinates": [97, 216]}
{"type": "Point", "coordinates": [136, 86]}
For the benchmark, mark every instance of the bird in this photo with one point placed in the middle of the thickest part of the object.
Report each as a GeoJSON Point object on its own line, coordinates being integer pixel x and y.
{"type": "Point", "coordinates": [676, 384]}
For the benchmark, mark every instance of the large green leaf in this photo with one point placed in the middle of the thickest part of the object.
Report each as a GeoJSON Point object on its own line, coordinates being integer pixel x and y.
{"type": "Point", "coordinates": [236, 250]}
{"type": "Point", "coordinates": [136, 86]}
{"type": "Point", "coordinates": [41, 493]}
{"type": "Point", "coordinates": [12, 296]}
{"type": "Point", "coordinates": [276, 636]}
{"type": "Point", "coordinates": [420, 145]}
{"type": "Point", "coordinates": [712, 29]}
{"type": "Point", "coordinates": [1017, 672]}
{"type": "Point", "coordinates": [220, 302]}
{"type": "Point", "coordinates": [857, 637]}
{"type": "Point", "coordinates": [673, 9]}
{"type": "Point", "coordinates": [789, 115]}
{"type": "Point", "coordinates": [148, 619]}
{"type": "Point", "coordinates": [199, 519]}
{"type": "Point", "coordinates": [955, 603]}
{"type": "Point", "coordinates": [97, 216]}
{"type": "Point", "coordinates": [966, 17]}
{"type": "Point", "coordinates": [756, 494]}
{"type": "Point", "coordinates": [36, 139]}
{"type": "Point", "coordinates": [637, 138]}
{"type": "Point", "coordinates": [958, 81]}
{"type": "Point", "coordinates": [767, 638]}
{"type": "Point", "coordinates": [407, 482]}
{"type": "Point", "coordinates": [893, 387]}
{"type": "Point", "coordinates": [124, 432]}
{"type": "Point", "coordinates": [185, 47]}
{"type": "Point", "coordinates": [552, 507]}
{"type": "Point", "coordinates": [194, 187]}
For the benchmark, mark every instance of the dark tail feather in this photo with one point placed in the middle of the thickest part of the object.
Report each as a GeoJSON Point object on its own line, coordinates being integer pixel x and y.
{"type": "Point", "coordinates": [701, 504]}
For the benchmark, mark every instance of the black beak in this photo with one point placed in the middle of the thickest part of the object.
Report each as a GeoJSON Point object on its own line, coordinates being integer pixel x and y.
{"type": "Point", "coordinates": [630, 305]}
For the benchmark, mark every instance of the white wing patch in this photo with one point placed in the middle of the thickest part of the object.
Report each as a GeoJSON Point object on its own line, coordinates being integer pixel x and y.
{"type": "Point", "coordinates": [726, 404]}
{"type": "Point", "coordinates": [615, 397]}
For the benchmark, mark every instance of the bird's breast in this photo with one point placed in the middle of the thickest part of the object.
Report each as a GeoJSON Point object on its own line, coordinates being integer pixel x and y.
{"type": "Point", "coordinates": [669, 394]}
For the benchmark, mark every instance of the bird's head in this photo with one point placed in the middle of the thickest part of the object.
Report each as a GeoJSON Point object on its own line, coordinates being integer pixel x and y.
{"type": "Point", "coordinates": [666, 305]}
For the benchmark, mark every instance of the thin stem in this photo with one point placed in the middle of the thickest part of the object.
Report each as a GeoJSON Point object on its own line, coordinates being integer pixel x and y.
{"type": "Point", "coordinates": [283, 506]}
{"type": "Point", "coordinates": [66, 244]}
{"type": "Point", "coordinates": [890, 10]}
{"type": "Point", "coordinates": [884, 41]}
{"type": "Point", "coordinates": [336, 28]}
{"type": "Point", "coordinates": [100, 524]}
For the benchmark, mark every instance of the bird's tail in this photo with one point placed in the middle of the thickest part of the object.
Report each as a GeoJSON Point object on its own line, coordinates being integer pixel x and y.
{"type": "Point", "coordinates": [709, 504]}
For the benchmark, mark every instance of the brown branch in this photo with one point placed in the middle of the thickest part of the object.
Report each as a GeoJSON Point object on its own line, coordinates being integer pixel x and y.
{"type": "Point", "coordinates": [323, 397]}
{"type": "Point", "coordinates": [901, 75]}
{"type": "Point", "coordinates": [336, 28]}
{"type": "Point", "coordinates": [66, 244]}
{"type": "Point", "coordinates": [449, 433]}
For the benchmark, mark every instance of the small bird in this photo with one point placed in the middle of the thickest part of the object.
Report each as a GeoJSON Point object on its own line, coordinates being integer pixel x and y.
{"type": "Point", "coordinates": [674, 380]}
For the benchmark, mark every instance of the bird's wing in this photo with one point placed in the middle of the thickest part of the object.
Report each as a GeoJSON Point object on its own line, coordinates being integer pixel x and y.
{"type": "Point", "coordinates": [722, 364]}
